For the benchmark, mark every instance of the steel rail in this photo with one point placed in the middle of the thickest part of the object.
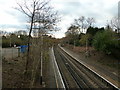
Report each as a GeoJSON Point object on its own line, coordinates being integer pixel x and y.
{"type": "Point", "coordinates": [95, 73]}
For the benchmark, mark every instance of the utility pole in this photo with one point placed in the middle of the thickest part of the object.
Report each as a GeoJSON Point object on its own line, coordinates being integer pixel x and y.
{"type": "Point", "coordinates": [11, 46]}
{"type": "Point", "coordinates": [10, 41]}
{"type": "Point", "coordinates": [74, 44]}
{"type": "Point", "coordinates": [86, 48]}
{"type": "Point", "coordinates": [19, 49]}
{"type": "Point", "coordinates": [41, 59]}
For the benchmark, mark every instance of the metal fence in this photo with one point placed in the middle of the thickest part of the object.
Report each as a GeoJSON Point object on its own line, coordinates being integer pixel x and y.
{"type": "Point", "coordinates": [9, 52]}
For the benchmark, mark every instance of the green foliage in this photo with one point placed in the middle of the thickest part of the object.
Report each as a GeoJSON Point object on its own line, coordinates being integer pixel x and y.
{"type": "Point", "coordinates": [5, 42]}
{"type": "Point", "coordinates": [105, 41]}
{"type": "Point", "coordinates": [93, 31]}
{"type": "Point", "coordinates": [85, 38]}
{"type": "Point", "coordinates": [72, 30]}
{"type": "Point", "coordinates": [72, 35]}
{"type": "Point", "coordinates": [13, 39]}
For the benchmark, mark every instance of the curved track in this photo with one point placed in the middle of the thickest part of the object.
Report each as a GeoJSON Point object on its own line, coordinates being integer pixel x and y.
{"type": "Point", "coordinates": [75, 75]}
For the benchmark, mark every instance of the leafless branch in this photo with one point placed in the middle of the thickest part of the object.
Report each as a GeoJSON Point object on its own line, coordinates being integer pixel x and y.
{"type": "Point", "coordinates": [22, 10]}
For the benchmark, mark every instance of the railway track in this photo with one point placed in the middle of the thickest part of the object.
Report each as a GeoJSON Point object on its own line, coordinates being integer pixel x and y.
{"type": "Point", "coordinates": [76, 75]}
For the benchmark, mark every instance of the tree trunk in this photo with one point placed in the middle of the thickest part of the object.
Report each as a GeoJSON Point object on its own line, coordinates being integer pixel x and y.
{"type": "Point", "coordinates": [28, 51]}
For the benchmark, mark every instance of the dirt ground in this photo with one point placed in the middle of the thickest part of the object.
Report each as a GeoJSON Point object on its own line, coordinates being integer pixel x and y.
{"type": "Point", "coordinates": [108, 61]}
{"type": "Point", "coordinates": [12, 72]}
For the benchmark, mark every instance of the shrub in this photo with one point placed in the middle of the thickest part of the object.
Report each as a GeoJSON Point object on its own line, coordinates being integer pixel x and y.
{"type": "Point", "coordinates": [5, 43]}
{"type": "Point", "coordinates": [105, 41]}
{"type": "Point", "coordinates": [85, 38]}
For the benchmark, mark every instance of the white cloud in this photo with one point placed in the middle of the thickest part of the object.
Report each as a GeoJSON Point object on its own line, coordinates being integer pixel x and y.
{"type": "Point", "coordinates": [101, 10]}
{"type": "Point", "coordinates": [11, 19]}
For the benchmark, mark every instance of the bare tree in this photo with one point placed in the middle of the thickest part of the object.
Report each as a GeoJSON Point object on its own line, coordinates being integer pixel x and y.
{"type": "Point", "coordinates": [80, 22]}
{"type": "Point", "coordinates": [30, 9]}
{"type": "Point", "coordinates": [84, 23]}
{"type": "Point", "coordinates": [90, 21]}
{"type": "Point", "coordinates": [72, 30]}
{"type": "Point", "coordinates": [46, 20]}
{"type": "Point", "coordinates": [42, 19]}
{"type": "Point", "coordinates": [3, 33]}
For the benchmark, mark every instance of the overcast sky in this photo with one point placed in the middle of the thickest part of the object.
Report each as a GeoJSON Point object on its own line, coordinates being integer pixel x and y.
{"type": "Point", "coordinates": [101, 10]}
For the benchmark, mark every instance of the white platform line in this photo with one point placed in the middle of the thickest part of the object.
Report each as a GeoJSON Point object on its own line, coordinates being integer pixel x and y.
{"type": "Point", "coordinates": [63, 85]}
{"type": "Point", "coordinates": [54, 71]}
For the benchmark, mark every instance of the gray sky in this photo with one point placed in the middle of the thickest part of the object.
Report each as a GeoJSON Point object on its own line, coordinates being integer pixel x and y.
{"type": "Point", "coordinates": [101, 10]}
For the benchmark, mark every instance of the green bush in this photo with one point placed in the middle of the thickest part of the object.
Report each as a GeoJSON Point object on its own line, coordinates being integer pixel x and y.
{"type": "Point", "coordinates": [85, 38]}
{"type": "Point", "coordinates": [105, 41]}
{"type": "Point", "coordinates": [14, 40]}
{"type": "Point", "coordinates": [5, 43]}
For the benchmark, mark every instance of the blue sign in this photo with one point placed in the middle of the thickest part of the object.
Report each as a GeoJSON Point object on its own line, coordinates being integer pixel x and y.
{"type": "Point", "coordinates": [23, 48]}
